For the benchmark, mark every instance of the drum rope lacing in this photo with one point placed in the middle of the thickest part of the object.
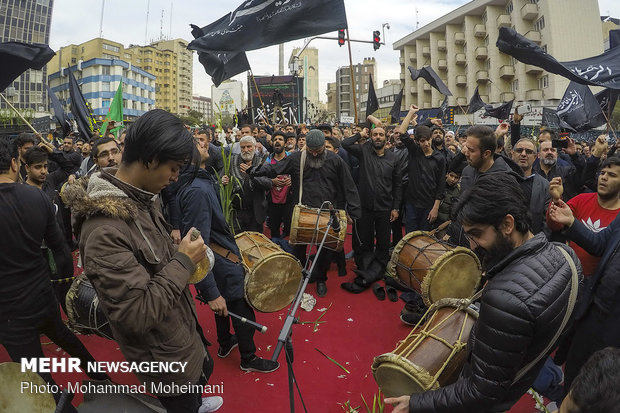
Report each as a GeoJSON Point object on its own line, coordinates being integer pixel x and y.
{"type": "Point", "coordinates": [63, 280]}
{"type": "Point", "coordinates": [422, 250]}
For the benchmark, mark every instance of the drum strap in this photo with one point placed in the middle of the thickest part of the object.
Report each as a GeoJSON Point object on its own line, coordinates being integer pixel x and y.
{"type": "Point", "coordinates": [572, 298]}
{"type": "Point", "coordinates": [302, 165]}
{"type": "Point", "coordinates": [223, 252]}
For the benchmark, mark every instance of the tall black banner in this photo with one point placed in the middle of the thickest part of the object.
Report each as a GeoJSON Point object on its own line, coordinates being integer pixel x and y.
{"type": "Point", "coordinates": [282, 97]}
{"type": "Point", "coordinates": [18, 57]}
{"type": "Point", "coordinates": [579, 108]}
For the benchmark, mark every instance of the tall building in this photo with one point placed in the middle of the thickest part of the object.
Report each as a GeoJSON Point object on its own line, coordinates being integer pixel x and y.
{"type": "Point", "coordinates": [332, 98]}
{"type": "Point", "coordinates": [202, 105]}
{"type": "Point", "coordinates": [227, 98]}
{"type": "Point", "coordinates": [99, 79]}
{"type": "Point", "coordinates": [27, 21]}
{"type": "Point", "coordinates": [386, 95]}
{"type": "Point", "coordinates": [308, 68]}
{"type": "Point", "coordinates": [460, 46]}
{"type": "Point", "coordinates": [609, 23]}
{"type": "Point", "coordinates": [184, 73]}
{"type": "Point", "coordinates": [361, 73]}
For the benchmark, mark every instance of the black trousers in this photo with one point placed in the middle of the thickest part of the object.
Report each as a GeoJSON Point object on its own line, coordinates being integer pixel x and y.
{"type": "Point", "coordinates": [244, 221]}
{"type": "Point", "coordinates": [280, 214]}
{"type": "Point", "coordinates": [323, 262]}
{"type": "Point", "coordinates": [189, 402]}
{"type": "Point", "coordinates": [374, 229]}
{"type": "Point", "coordinates": [245, 333]}
{"type": "Point", "coordinates": [21, 338]}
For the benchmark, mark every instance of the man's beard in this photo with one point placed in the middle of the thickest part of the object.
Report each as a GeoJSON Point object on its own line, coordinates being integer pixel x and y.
{"type": "Point", "coordinates": [496, 253]}
{"type": "Point", "coordinates": [278, 149]}
{"type": "Point", "coordinates": [549, 161]}
{"type": "Point", "coordinates": [290, 146]}
{"type": "Point", "coordinates": [378, 144]}
{"type": "Point", "coordinates": [438, 141]}
{"type": "Point", "coordinates": [38, 181]}
{"type": "Point", "coordinates": [247, 156]}
{"type": "Point", "coordinates": [318, 161]}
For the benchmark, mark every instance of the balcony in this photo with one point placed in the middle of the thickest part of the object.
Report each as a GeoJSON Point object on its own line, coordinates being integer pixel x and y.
{"type": "Point", "coordinates": [461, 80]}
{"type": "Point", "coordinates": [533, 35]}
{"type": "Point", "coordinates": [427, 105]}
{"type": "Point", "coordinates": [402, 61]}
{"type": "Point", "coordinates": [426, 87]}
{"type": "Point", "coordinates": [461, 101]}
{"type": "Point", "coordinates": [529, 11]}
{"type": "Point", "coordinates": [441, 45]}
{"type": "Point", "coordinates": [413, 90]}
{"type": "Point", "coordinates": [460, 59]}
{"type": "Point", "coordinates": [507, 72]}
{"type": "Point", "coordinates": [413, 57]}
{"type": "Point", "coordinates": [426, 51]}
{"type": "Point", "coordinates": [533, 70]}
{"type": "Point", "coordinates": [481, 53]}
{"type": "Point", "coordinates": [503, 20]}
{"type": "Point", "coordinates": [506, 96]}
{"type": "Point", "coordinates": [482, 76]}
{"type": "Point", "coordinates": [480, 30]}
{"type": "Point", "coordinates": [459, 38]}
{"type": "Point", "coordinates": [534, 94]}
{"type": "Point", "coordinates": [442, 64]}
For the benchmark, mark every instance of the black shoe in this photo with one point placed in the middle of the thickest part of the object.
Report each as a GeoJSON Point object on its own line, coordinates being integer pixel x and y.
{"type": "Point", "coordinates": [391, 293]}
{"type": "Point", "coordinates": [352, 288]}
{"type": "Point", "coordinates": [411, 319]}
{"type": "Point", "coordinates": [224, 351]}
{"type": "Point", "coordinates": [259, 365]}
{"type": "Point", "coordinates": [379, 292]}
{"type": "Point", "coordinates": [321, 289]}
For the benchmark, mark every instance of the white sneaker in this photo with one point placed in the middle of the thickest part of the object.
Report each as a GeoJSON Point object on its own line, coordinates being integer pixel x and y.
{"type": "Point", "coordinates": [211, 404]}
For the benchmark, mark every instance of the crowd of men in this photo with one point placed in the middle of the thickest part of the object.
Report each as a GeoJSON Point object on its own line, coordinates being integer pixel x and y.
{"type": "Point", "coordinates": [541, 214]}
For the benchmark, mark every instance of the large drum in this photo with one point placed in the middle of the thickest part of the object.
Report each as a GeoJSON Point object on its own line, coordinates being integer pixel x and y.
{"type": "Point", "coordinates": [432, 356]}
{"type": "Point", "coordinates": [84, 311]}
{"type": "Point", "coordinates": [23, 391]}
{"type": "Point", "coordinates": [434, 268]}
{"type": "Point", "coordinates": [272, 275]}
{"type": "Point", "coordinates": [308, 227]}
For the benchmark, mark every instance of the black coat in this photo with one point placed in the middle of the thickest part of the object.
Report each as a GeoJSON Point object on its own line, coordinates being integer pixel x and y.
{"type": "Point", "coordinates": [520, 311]}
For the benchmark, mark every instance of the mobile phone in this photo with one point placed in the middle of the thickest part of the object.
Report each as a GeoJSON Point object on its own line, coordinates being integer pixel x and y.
{"type": "Point", "coordinates": [559, 143]}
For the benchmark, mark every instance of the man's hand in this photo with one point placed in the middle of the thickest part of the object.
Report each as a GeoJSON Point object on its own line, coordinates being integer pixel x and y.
{"type": "Point", "coordinates": [286, 181]}
{"type": "Point", "coordinates": [176, 236]}
{"type": "Point", "coordinates": [561, 213]}
{"type": "Point", "coordinates": [219, 306]}
{"type": "Point", "coordinates": [516, 118]}
{"type": "Point", "coordinates": [401, 404]}
{"type": "Point", "coordinates": [393, 215]}
{"type": "Point", "coordinates": [71, 179]}
{"type": "Point", "coordinates": [571, 149]}
{"type": "Point", "coordinates": [48, 147]}
{"type": "Point", "coordinates": [432, 215]}
{"type": "Point", "coordinates": [277, 181]}
{"type": "Point", "coordinates": [501, 130]}
{"type": "Point", "coordinates": [364, 133]}
{"type": "Point", "coordinates": [600, 146]}
{"type": "Point", "coordinates": [244, 167]}
{"type": "Point", "coordinates": [375, 121]}
{"type": "Point", "coordinates": [413, 109]}
{"type": "Point", "coordinates": [196, 250]}
{"type": "Point", "coordinates": [437, 122]}
{"type": "Point", "coordinates": [225, 179]}
{"type": "Point", "coordinates": [556, 189]}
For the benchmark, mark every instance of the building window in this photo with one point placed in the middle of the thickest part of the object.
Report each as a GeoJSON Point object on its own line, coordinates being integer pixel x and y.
{"type": "Point", "coordinates": [127, 56]}
{"type": "Point", "coordinates": [484, 17]}
{"type": "Point", "coordinates": [111, 48]}
{"type": "Point", "coordinates": [543, 82]}
{"type": "Point", "coordinates": [486, 41]}
{"type": "Point", "coordinates": [105, 86]}
{"type": "Point", "coordinates": [73, 61]}
{"type": "Point", "coordinates": [534, 1]}
{"type": "Point", "coordinates": [105, 70]}
{"type": "Point", "coordinates": [105, 103]}
{"type": "Point", "coordinates": [540, 24]}
{"type": "Point", "coordinates": [108, 56]}
{"type": "Point", "coordinates": [509, 7]}
{"type": "Point", "coordinates": [515, 85]}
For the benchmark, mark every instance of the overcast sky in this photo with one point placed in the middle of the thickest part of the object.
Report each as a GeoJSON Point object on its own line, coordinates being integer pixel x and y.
{"type": "Point", "coordinates": [125, 21]}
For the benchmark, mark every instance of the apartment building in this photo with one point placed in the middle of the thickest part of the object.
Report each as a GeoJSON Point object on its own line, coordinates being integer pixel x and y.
{"type": "Point", "coordinates": [306, 65]}
{"type": "Point", "coordinates": [386, 95]}
{"type": "Point", "coordinates": [183, 77]}
{"type": "Point", "coordinates": [361, 77]}
{"type": "Point", "coordinates": [202, 105]}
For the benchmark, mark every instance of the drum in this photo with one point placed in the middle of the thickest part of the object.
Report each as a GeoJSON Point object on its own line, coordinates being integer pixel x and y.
{"type": "Point", "coordinates": [434, 268]}
{"type": "Point", "coordinates": [83, 310]}
{"type": "Point", "coordinates": [272, 276]}
{"type": "Point", "coordinates": [432, 356]}
{"type": "Point", "coordinates": [23, 391]}
{"type": "Point", "coordinates": [306, 220]}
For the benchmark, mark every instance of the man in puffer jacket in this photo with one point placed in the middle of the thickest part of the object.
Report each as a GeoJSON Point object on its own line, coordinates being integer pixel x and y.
{"type": "Point", "coordinates": [522, 308]}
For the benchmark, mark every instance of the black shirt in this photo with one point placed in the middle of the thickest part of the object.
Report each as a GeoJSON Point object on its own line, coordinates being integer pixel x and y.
{"type": "Point", "coordinates": [427, 175]}
{"type": "Point", "coordinates": [380, 176]}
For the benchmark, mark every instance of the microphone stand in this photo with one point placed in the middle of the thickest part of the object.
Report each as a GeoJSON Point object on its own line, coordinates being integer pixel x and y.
{"type": "Point", "coordinates": [285, 334]}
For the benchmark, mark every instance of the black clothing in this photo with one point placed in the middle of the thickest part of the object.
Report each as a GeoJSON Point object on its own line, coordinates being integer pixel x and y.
{"type": "Point", "coordinates": [380, 181]}
{"type": "Point", "coordinates": [450, 198]}
{"type": "Point", "coordinates": [573, 175]}
{"type": "Point", "coordinates": [190, 401]}
{"type": "Point", "coordinates": [427, 175]}
{"type": "Point", "coordinates": [215, 161]}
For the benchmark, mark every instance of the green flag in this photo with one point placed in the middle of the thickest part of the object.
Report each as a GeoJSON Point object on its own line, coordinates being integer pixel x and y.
{"type": "Point", "coordinates": [115, 113]}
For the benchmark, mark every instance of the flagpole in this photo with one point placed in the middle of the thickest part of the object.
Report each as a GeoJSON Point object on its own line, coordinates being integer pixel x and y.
{"type": "Point", "coordinates": [609, 126]}
{"type": "Point", "coordinates": [24, 119]}
{"type": "Point", "coordinates": [259, 97]}
{"type": "Point", "coordinates": [352, 77]}
{"type": "Point", "coordinates": [471, 122]}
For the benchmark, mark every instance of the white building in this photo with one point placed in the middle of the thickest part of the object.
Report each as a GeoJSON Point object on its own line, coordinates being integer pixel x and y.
{"type": "Point", "coordinates": [227, 97]}
{"type": "Point", "coordinates": [202, 104]}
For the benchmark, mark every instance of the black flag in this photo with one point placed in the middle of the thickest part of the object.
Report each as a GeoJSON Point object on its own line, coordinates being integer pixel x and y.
{"type": "Point", "coordinates": [607, 100]}
{"type": "Point", "coordinates": [372, 104]}
{"type": "Point", "coordinates": [443, 108]}
{"type": "Point", "coordinates": [614, 38]}
{"type": "Point", "coordinates": [395, 111]}
{"type": "Point", "coordinates": [602, 70]}
{"type": "Point", "coordinates": [427, 73]}
{"type": "Point", "coordinates": [221, 65]}
{"type": "Point", "coordinates": [501, 112]}
{"type": "Point", "coordinates": [261, 23]}
{"type": "Point", "coordinates": [579, 108]}
{"type": "Point", "coordinates": [79, 108]}
{"type": "Point", "coordinates": [475, 103]}
{"type": "Point", "coordinates": [59, 112]}
{"type": "Point", "coordinates": [551, 120]}
{"type": "Point", "coordinates": [18, 57]}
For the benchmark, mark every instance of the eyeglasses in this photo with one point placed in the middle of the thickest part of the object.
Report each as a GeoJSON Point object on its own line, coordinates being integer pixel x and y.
{"type": "Point", "coordinates": [107, 154]}
{"type": "Point", "coordinates": [527, 151]}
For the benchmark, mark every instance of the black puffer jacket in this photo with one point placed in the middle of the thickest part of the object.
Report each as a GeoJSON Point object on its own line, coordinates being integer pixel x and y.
{"type": "Point", "coordinates": [522, 307]}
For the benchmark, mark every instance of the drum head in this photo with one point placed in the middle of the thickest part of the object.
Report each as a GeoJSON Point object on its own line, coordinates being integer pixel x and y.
{"type": "Point", "coordinates": [14, 399]}
{"type": "Point", "coordinates": [273, 282]}
{"type": "Point", "coordinates": [397, 376]}
{"type": "Point", "coordinates": [456, 274]}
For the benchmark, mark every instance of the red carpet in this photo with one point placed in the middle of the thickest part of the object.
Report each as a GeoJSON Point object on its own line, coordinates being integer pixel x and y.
{"type": "Point", "coordinates": [356, 329]}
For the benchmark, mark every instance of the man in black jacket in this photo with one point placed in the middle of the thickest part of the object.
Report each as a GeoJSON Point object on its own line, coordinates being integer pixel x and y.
{"type": "Point", "coordinates": [522, 309]}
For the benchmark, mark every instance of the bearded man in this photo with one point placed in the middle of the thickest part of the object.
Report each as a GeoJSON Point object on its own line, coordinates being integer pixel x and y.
{"type": "Point", "coordinates": [326, 177]}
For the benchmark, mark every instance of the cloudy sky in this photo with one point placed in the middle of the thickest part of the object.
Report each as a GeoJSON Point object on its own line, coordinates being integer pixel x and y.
{"type": "Point", "coordinates": [125, 21]}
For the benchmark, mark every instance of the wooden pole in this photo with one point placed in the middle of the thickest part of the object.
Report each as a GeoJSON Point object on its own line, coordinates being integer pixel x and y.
{"type": "Point", "coordinates": [352, 77]}
{"type": "Point", "coordinates": [23, 119]}
{"type": "Point", "coordinates": [609, 127]}
{"type": "Point", "coordinates": [470, 120]}
{"type": "Point", "coordinates": [259, 97]}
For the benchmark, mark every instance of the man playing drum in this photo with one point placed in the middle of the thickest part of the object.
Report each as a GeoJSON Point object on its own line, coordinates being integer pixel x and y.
{"type": "Point", "coordinates": [526, 303]}
{"type": "Point", "coordinates": [326, 177]}
{"type": "Point", "coordinates": [199, 207]}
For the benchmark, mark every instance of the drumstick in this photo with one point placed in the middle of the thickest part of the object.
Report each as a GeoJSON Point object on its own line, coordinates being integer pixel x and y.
{"type": "Point", "coordinates": [254, 324]}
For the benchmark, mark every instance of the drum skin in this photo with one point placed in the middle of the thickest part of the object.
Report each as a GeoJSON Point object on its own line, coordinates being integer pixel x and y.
{"type": "Point", "coordinates": [83, 311]}
{"type": "Point", "coordinates": [434, 268]}
{"type": "Point", "coordinates": [304, 222]}
{"type": "Point", "coordinates": [14, 399]}
{"type": "Point", "coordinates": [431, 356]}
{"type": "Point", "coordinates": [272, 275]}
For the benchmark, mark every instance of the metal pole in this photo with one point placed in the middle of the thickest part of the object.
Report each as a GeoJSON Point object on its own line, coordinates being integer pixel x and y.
{"type": "Point", "coordinates": [352, 77]}
{"type": "Point", "coordinates": [23, 119]}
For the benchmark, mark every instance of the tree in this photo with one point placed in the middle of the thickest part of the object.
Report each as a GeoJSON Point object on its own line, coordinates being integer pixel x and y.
{"type": "Point", "coordinates": [192, 118]}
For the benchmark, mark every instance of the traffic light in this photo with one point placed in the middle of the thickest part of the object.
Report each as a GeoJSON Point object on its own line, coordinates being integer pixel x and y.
{"type": "Point", "coordinates": [341, 37]}
{"type": "Point", "coordinates": [376, 39]}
